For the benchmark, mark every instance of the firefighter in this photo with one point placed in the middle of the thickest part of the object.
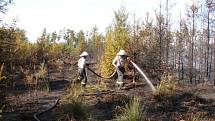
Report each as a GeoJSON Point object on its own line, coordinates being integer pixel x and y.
{"type": "Point", "coordinates": [82, 63]}
{"type": "Point", "coordinates": [119, 63]}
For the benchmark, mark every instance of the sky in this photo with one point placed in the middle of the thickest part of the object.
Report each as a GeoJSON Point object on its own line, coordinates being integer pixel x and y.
{"type": "Point", "coordinates": [54, 15]}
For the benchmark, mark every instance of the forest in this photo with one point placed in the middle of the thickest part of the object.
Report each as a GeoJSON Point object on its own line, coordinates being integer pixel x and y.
{"type": "Point", "coordinates": [38, 80]}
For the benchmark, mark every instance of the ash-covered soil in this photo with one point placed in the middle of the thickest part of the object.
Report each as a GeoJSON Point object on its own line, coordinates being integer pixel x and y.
{"type": "Point", "coordinates": [188, 102]}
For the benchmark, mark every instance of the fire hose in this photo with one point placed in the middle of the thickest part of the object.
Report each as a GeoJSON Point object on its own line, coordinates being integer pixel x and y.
{"type": "Point", "coordinates": [110, 77]}
{"type": "Point", "coordinates": [39, 113]}
{"type": "Point", "coordinates": [135, 65]}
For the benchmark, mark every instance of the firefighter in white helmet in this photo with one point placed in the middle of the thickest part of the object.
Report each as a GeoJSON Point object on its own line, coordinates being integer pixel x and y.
{"type": "Point", "coordinates": [82, 62]}
{"type": "Point", "coordinates": [119, 63]}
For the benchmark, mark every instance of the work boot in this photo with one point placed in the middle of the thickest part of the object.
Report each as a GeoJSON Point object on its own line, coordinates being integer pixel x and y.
{"type": "Point", "coordinates": [78, 80]}
{"type": "Point", "coordinates": [83, 84]}
{"type": "Point", "coordinates": [120, 86]}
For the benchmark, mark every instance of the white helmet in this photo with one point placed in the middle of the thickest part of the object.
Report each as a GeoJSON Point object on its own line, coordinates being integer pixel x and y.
{"type": "Point", "coordinates": [84, 54]}
{"type": "Point", "coordinates": [122, 52]}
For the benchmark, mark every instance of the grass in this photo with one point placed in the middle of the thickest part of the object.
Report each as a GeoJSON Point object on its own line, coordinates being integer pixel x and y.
{"type": "Point", "coordinates": [2, 93]}
{"type": "Point", "coordinates": [195, 116]}
{"type": "Point", "coordinates": [75, 104]}
{"type": "Point", "coordinates": [42, 74]}
{"type": "Point", "coordinates": [74, 92]}
{"type": "Point", "coordinates": [133, 111]}
{"type": "Point", "coordinates": [95, 88]}
{"type": "Point", "coordinates": [30, 79]}
{"type": "Point", "coordinates": [46, 87]}
{"type": "Point", "coordinates": [166, 87]}
{"type": "Point", "coordinates": [42, 71]}
{"type": "Point", "coordinates": [1, 73]}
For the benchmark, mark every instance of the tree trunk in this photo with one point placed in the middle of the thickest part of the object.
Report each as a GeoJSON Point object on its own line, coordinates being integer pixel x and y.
{"type": "Point", "coordinates": [195, 69]}
{"type": "Point", "coordinates": [182, 70]}
{"type": "Point", "coordinates": [210, 65]}
{"type": "Point", "coordinates": [214, 62]}
{"type": "Point", "coordinates": [208, 47]}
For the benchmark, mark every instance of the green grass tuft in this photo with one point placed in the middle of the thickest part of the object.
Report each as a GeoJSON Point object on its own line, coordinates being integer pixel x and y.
{"type": "Point", "coordinates": [133, 111]}
{"type": "Point", "coordinates": [166, 87]}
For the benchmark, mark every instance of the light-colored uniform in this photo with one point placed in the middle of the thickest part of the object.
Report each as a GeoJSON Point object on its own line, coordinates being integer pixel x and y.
{"type": "Point", "coordinates": [82, 62]}
{"type": "Point", "coordinates": [82, 68]}
{"type": "Point", "coordinates": [119, 62]}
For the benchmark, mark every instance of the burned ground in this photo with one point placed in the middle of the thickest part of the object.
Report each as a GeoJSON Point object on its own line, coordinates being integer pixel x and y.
{"type": "Point", "coordinates": [188, 102]}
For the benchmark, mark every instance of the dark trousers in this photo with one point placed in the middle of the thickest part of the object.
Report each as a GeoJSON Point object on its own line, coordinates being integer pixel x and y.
{"type": "Point", "coordinates": [82, 76]}
{"type": "Point", "coordinates": [120, 73]}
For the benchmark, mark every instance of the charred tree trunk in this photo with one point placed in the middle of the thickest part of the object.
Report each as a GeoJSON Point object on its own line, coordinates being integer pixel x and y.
{"type": "Point", "coordinates": [205, 65]}
{"type": "Point", "coordinates": [160, 35]}
{"type": "Point", "coordinates": [191, 64]}
{"type": "Point", "coordinates": [179, 66]}
{"type": "Point", "coordinates": [182, 69]}
{"type": "Point", "coordinates": [167, 32]}
{"type": "Point", "coordinates": [208, 46]}
{"type": "Point", "coordinates": [195, 69]}
{"type": "Point", "coordinates": [214, 61]}
{"type": "Point", "coordinates": [194, 9]}
{"type": "Point", "coordinates": [210, 64]}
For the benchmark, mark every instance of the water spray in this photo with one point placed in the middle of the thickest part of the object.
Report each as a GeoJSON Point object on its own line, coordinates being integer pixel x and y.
{"type": "Point", "coordinates": [147, 79]}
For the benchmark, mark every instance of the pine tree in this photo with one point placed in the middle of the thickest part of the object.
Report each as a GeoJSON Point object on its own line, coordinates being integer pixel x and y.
{"type": "Point", "coordinates": [109, 53]}
{"type": "Point", "coordinates": [82, 45]}
{"type": "Point", "coordinates": [121, 30]}
{"type": "Point", "coordinates": [116, 38]}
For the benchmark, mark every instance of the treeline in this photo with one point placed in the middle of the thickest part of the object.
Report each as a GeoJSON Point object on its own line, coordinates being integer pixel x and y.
{"type": "Point", "coordinates": [187, 52]}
